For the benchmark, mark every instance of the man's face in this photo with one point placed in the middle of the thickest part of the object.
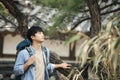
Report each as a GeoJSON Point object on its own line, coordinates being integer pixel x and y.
{"type": "Point", "coordinates": [39, 37]}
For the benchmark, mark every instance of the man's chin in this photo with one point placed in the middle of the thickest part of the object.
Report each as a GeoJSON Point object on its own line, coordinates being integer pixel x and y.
{"type": "Point", "coordinates": [42, 40]}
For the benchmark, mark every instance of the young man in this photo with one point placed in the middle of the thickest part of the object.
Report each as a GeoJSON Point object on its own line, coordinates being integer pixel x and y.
{"type": "Point", "coordinates": [37, 66]}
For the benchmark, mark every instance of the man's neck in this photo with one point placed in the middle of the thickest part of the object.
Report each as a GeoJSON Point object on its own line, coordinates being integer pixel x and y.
{"type": "Point", "coordinates": [36, 46]}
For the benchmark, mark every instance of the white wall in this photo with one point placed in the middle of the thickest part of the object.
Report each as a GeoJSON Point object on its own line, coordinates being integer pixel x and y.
{"type": "Point", "coordinates": [57, 46]}
{"type": "Point", "coordinates": [10, 42]}
{"type": "Point", "coordinates": [78, 44]}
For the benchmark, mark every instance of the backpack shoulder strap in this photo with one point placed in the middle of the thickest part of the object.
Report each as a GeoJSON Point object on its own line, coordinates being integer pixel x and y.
{"type": "Point", "coordinates": [29, 51]}
{"type": "Point", "coordinates": [45, 51]}
{"type": "Point", "coordinates": [47, 54]}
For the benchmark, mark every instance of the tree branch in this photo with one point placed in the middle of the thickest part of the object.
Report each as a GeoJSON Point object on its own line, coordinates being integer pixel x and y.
{"type": "Point", "coordinates": [88, 18]}
{"type": "Point", "coordinates": [34, 16]}
{"type": "Point", "coordinates": [9, 4]}
{"type": "Point", "coordinates": [79, 21]}
{"type": "Point", "coordinates": [6, 20]}
{"type": "Point", "coordinates": [109, 5]}
{"type": "Point", "coordinates": [21, 18]}
{"type": "Point", "coordinates": [108, 12]}
{"type": "Point", "coordinates": [104, 7]}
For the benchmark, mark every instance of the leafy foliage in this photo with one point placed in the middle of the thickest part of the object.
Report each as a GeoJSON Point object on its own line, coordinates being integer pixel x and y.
{"type": "Point", "coordinates": [67, 5]}
{"type": "Point", "coordinates": [3, 10]}
{"type": "Point", "coordinates": [67, 11]}
{"type": "Point", "coordinates": [106, 49]}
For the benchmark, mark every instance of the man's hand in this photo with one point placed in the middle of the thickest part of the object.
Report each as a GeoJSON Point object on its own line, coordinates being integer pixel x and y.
{"type": "Point", "coordinates": [30, 61]}
{"type": "Point", "coordinates": [63, 65]}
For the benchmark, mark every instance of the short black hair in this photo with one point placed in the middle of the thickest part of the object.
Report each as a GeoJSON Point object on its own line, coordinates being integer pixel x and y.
{"type": "Point", "coordinates": [33, 30]}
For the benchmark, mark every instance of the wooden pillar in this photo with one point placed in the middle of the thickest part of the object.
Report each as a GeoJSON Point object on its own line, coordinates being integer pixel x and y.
{"type": "Point", "coordinates": [72, 48]}
{"type": "Point", "coordinates": [1, 45]}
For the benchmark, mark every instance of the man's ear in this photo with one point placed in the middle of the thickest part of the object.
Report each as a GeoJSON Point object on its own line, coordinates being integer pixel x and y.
{"type": "Point", "coordinates": [32, 37]}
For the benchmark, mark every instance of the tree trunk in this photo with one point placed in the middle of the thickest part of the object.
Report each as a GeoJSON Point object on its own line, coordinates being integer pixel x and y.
{"type": "Point", "coordinates": [15, 12]}
{"type": "Point", "coordinates": [95, 17]}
